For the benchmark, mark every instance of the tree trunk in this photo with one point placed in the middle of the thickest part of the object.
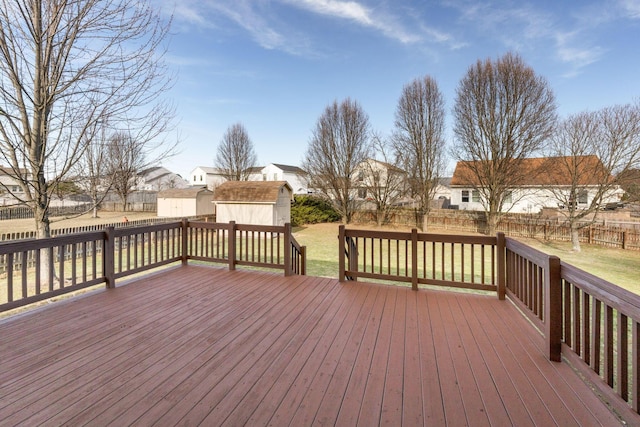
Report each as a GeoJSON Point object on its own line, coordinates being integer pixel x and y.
{"type": "Point", "coordinates": [43, 231]}
{"type": "Point", "coordinates": [575, 238]}
{"type": "Point", "coordinates": [492, 224]}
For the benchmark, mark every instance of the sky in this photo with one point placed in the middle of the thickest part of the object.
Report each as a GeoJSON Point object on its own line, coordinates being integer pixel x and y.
{"type": "Point", "coordinates": [275, 65]}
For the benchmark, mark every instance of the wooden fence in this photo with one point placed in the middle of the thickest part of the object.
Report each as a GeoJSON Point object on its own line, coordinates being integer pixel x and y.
{"type": "Point", "coordinates": [533, 227]}
{"type": "Point", "coordinates": [21, 235]}
{"type": "Point", "coordinates": [21, 212]}
{"type": "Point", "coordinates": [40, 269]}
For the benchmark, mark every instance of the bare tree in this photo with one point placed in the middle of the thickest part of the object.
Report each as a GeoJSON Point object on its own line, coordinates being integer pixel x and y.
{"type": "Point", "coordinates": [503, 113]}
{"type": "Point", "coordinates": [385, 183]}
{"type": "Point", "coordinates": [339, 144]}
{"type": "Point", "coordinates": [419, 139]}
{"type": "Point", "coordinates": [64, 66]}
{"type": "Point", "coordinates": [589, 148]}
{"type": "Point", "coordinates": [125, 159]}
{"type": "Point", "coordinates": [93, 173]}
{"type": "Point", "coordinates": [236, 154]}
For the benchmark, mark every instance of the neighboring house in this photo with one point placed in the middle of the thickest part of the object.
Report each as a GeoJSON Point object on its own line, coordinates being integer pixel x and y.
{"type": "Point", "coordinates": [207, 176]}
{"type": "Point", "coordinates": [253, 202]}
{"type": "Point", "coordinates": [159, 178]}
{"type": "Point", "coordinates": [442, 194]}
{"type": "Point", "coordinates": [184, 202]}
{"type": "Point", "coordinates": [543, 181]}
{"type": "Point", "coordinates": [373, 177]}
{"type": "Point", "coordinates": [295, 177]}
{"type": "Point", "coordinates": [7, 181]}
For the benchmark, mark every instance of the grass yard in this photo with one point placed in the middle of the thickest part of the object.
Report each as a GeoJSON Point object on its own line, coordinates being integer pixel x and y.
{"type": "Point", "coordinates": [621, 267]}
{"type": "Point", "coordinates": [21, 225]}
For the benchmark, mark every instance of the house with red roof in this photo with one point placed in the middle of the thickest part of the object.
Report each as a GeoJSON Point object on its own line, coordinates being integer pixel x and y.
{"type": "Point", "coordinates": [541, 183]}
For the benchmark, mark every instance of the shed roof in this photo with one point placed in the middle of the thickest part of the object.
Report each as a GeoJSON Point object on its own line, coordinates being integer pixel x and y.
{"type": "Point", "coordinates": [543, 171]}
{"type": "Point", "coordinates": [183, 193]}
{"type": "Point", "coordinates": [249, 191]}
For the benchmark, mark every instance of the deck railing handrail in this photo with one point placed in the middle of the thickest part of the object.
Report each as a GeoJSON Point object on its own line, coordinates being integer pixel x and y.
{"type": "Point", "coordinates": [39, 269]}
{"type": "Point", "coordinates": [422, 258]}
{"type": "Point", "coordinates": [587, 320]}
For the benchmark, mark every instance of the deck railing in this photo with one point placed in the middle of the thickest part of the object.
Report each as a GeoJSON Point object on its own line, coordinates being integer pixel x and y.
{"type": "Point", "coordinates": [39, 269]}
{"type": "Point", "coordinates": [469, 262]}
{"type": "Point", "coordinates": [592, 323]}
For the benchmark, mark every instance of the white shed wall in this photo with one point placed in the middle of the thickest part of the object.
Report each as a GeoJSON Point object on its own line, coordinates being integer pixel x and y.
{"type": "Point", "coordinates": [245, 213]}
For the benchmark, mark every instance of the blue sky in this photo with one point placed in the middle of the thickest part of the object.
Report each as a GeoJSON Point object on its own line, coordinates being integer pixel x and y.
{"type": "Point", "coordinates": [274, 65]}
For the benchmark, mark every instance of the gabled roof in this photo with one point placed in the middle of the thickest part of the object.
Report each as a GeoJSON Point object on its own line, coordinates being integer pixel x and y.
{"type": "Point", "coordinates": [385, 165]}
{"type": "Point", "coordinates": [249, 191]}
{"type": "Point", "coordinates": [183, 193]}
{"type": "Point", "coordinates": [543, 171]}
{"type": "Point", "coordinates": [7, 170]}
{"type": "Point", "coordinates": [209, 170]}
{"type": "Point", "coordinates": [288, 168]}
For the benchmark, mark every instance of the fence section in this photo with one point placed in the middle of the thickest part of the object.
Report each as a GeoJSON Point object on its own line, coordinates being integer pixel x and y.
{"type": "Point", "coordinates": [248, 245]}
{"type": "Point", "coordinates": [589, 321]}
{"type": "Point", "coordinates": [604, 234]}
{"type": "Point", "coordinates": [39, 269]}
{"type": "Point", "coordinates": [22, 212]}
{"type": "Point", "coordinates": [420, 258]}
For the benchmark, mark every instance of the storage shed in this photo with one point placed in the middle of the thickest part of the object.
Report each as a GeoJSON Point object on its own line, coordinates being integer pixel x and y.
{"type": "Point", "coordinates": [184, 202]}
{"type": "Point", "coordinates": [254, 202]}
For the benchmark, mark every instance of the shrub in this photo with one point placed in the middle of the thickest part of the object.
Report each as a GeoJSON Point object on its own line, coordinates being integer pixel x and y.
{"type": "Point", "coordinates": [312, 210]}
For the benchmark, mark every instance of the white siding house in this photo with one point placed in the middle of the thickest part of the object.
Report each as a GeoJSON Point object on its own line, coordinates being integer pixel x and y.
{"type": "Point", "coordinates": [206, 176]}
{"type": "Point", "coordinates": [253, 202]}
{"type": "Point", "coordinates": [185, 202]}
{"type": "Point", "coordinates": [541, 187]}
{"type": "Point", "coordinates": [159, 178]}
{"type": "Point", "coordinates": [8, 182]}
{"type": "Point", "coordinates": [295, 177]}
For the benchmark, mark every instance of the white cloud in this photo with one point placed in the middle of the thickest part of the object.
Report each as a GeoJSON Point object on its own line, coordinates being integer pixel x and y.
{"type": "Point", "coordinates": [569, 50]}
{"type": "Point", "coordinates": [631, 8]}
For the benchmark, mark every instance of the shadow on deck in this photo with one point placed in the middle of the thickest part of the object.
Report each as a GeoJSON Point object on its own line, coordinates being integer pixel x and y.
{"type": "Point", "coordinates": [206, 345]}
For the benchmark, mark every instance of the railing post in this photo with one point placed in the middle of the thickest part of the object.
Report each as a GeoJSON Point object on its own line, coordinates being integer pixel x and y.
{"type": "Point", "coordinates": [303, 261]}
{"type": "Point", "coordinates": [341, 253]}
{"type": "Point", "coordinates": [287, 249]}
{"type": "Point", "coordinates": [501, 265]}
{"type": "Point", "coordinates": [232, 245]}
{"type": "Point", "coordinates": [109, 257]}
{"type": "Point", "coordinates": [185, 241]}
{"type": "Point", "coordinates": [414, 259]}
{"type": "Point", "coordinates": [553, 309]}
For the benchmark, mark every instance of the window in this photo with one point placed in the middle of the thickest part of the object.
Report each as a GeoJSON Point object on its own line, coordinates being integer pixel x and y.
{"type": "Point", "coordinates": [465, 196]}
{"type": "Point", "coordinates": [194, 178]}
{"type": "Point", "coordinates": [264, 176]}
{"type": "Point", "coordinates": [583, 197]}
{"type": "Point", "coordinates": [360, 176]}
{"type": "Point", "coordinates": [362, 193]}
{"type": "Point", "coordinates": [275, 176]}
{"type": "Point", "coordinates": [475, 196]}
{"type": "Point", "coordinates": [508, 198]}
{"type": "Point", "coordinates": [200, 178]}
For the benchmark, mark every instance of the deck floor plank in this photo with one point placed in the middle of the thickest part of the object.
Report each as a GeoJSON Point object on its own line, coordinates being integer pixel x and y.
{"type": "Point", "coordinates": [203, 345]}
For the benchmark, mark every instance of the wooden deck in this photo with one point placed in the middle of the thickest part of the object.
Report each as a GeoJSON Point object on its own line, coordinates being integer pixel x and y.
{"type": "Point", "coordinates": [201, 345]}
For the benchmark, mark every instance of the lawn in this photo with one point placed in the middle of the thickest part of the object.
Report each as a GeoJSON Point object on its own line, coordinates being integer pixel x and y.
{"type": "Point", "coordinates": [20, 225]}
{"type": "Point", "coordinates": [618, 266]}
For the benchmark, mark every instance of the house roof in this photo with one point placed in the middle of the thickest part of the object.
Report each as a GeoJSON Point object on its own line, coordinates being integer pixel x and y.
{"type": "Point", "coordinates": [542, 171]}
{"type": "Point", "coordinates": [7, 170]}
{"type": "Point", "coordinates": [288, 168]}
{"type": "Point", "coordinates": [209, 170]}
{"type": "Point", "coordinates": [249, 191]}
{"type": "Point", "coordinates": [183, 193]}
